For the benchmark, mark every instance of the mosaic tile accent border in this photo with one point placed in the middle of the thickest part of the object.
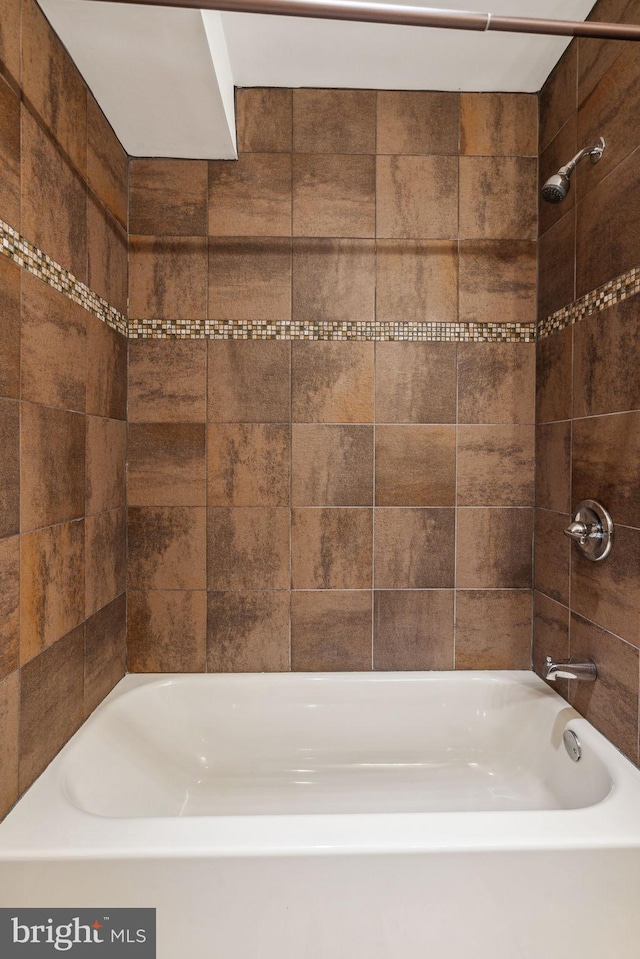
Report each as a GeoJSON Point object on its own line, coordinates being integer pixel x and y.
{"type": "Point", "coordinates": [17, 248]}
{"type": "Point", "coordinates": [290, 330]}
{"type": "Point", "coordinates": [623, 287]}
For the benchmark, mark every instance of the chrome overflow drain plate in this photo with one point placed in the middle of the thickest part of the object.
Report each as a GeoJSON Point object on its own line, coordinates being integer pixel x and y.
{"type": "Point", "coordinates": [572, 745]}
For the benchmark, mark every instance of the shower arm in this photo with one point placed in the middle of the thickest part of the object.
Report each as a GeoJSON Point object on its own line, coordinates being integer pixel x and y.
{"type": "Point", "coordinates": [595, 152]}
{"type": "Point", "coordinates": [408, 16]}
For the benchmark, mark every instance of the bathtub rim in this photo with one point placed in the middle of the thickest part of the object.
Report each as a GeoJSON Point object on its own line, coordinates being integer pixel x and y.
{"type": "Point", "coordinates": [44, 812]}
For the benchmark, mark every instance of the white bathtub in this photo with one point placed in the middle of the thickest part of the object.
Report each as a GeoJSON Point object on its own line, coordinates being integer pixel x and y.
{"type": "Point", "coordinates": [338, 816]}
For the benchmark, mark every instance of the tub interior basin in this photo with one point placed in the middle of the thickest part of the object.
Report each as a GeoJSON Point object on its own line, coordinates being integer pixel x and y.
{"type": "Point", "coordinates": [320, 743]}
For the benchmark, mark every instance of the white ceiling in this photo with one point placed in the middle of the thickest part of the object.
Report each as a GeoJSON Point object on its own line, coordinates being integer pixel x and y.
{"type": "Point", "coordinates": [164, 77]}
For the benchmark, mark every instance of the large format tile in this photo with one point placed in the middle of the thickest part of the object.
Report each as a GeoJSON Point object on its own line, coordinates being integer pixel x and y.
{"type": "Point", "coordinates": [493, 629]}
{"type": "Point", "coordinates": [610, 111]}
{"type": "Point", "coordinates": [413, 629]}
{"type": "Point", "coordinates": [334, 196]}
{"type": "Point", "coordinates": [167, 631]}
{"type": "Point", "coordinates": [553, 466]}
{"type": "Point", "coordinates": [53, 352]}
{"type": "Point", "coordinates": [417, 122]}
{"type": "Point", "coordinates": [332, 465]}
{"type": "Point", "coordinates": [107, 163]}
{"type": "Point", "coordinates": [107, 370]}
{"type": "Point", "coordinates": [611, 703]}
{"type": "Point", "coordinates": [494, 548]}
{"type": "Point", "coordinates": [498, 198]}
{"type": "Point", "coordinates": [54, 208]}
{"type": "Point", "coordinates": [334, 121]}
{"type": "Point", "coordinates": [51, 585]}
{"type": "Point", "coordinates": [414, 548]}
{"type": "Point", "coordinates": [558, 97]}
{"type": "Point", "coordinates": [416, 281]}
{"type": "Point", "coordinates": [248, 464]}
{"type": "Point", "coordinates": [333, 280]}
{"type": "Point", "coordinates": [52, 85]}
{"type": "Point", "coordinates": [9, 728]}
{"type": "Point", "coordinates": [51, 703]}
{"type": "Point", "coordinates": [248, 548]}
{"type": "Point", "coordinates": [605, 463]}
{"type": "Point", "coordinates": [249, 381]}
{"type": "Point", "coordinates": [331, 631]}
{"type": "Point", "coordinates": [552, 557]}
{"type": "Point", "coordinates": [417, 197]}
{"type": "Point", "coordinates": [496, 383]}
{"type": "Point", "coordinates": [9, 605]}
{"type": "Point", "coordinates": [596, 56]}
{"type": "Point", "coordinates": [167, 381]}
{"type": "Point", "coordinates": [606, 347]}
{"type": "Point", "coordinates": [248, 632]}
{"type": "Point", "coordinates": [608, 593]}
{"type": "Point", "coordinates": [250, 278]}
{"type": "Point", "coordinates": [9, 467]}
{"type": "Point", "coordinates": [251, 196]}
{"type": "Point", "coordinates": [166, 464]}
{"type": "Point", "coordinates": [497, 279]}
{"type": "Point", "coordinates": [264, 119]}
{"type": "Point", "coordinates": [553, 377]}
{"type": "Point", "coordinates": [10, 279]}
{"type": "Point", "coordinates": [416, 382]}
{"type": "Point", "coordinates": [332, 382]}
{"type": "Point", "coordinates": [168, 197]}
{"type": "Point", "coordinates": [550, 636]}
{"type": "Point", "coordinates": [52, 466]}
{"type": "Point", "coordinates": [415, 465]}
{"type": "Point", "coordinates": [108, 256]}
{"type": "Point", "coordinates": [105, 558]}
{"type": "Point", "coordinates": [10, 45]}
{"type": "Point", "coordinates": [9, 154]}
{"type": "Point", "coordinates": [168, 277]}
{"type": "Point", "coordinates": [105, 643]}
{"type": "Point", "coordinates": [167, 547]}
{"type": "Point", "coordinates": [332, 548]}
{"type": "Point", "coordinates": [495, 465]}
{"type": "Point", "coordinates": [498, 124]}
{"type": "Point", "coordinates": [106, 464]}
{"type": "Point", "coordinates": [556, 266]}
{"type": "Point", "coordinates": [602, 214]}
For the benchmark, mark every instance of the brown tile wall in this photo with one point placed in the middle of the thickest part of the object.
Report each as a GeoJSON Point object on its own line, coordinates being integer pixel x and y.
{"type": "Point", "coordinates": [63, 385]}
{"type": "Point", "coordinates": [327, 505]}
{"type": "Point", "coordinates": [588, 397]}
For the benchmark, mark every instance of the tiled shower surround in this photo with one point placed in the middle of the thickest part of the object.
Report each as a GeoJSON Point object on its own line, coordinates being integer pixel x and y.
{"type": "Point", "coordinates": [63, 384]}
{"type": "Point", "coordinates": [295, 501]}
{"type": "Point", "coordinates": [348, 210]}
{"type": "Point", "coordinates": [329, 479]}
{"type": "Point", "coordinates": [588, 394]}
{"type": "Point", "coordinates": [335, 505]}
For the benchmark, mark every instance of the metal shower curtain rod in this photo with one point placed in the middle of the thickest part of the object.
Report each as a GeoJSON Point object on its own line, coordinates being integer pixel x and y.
{"type": "Point", "coordinates": [409, 16]}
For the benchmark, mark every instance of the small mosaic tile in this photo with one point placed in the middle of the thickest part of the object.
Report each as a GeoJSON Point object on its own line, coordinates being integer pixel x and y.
{"type": "Point", "coordinates": [371, 331]}
{"type": "Point", "coordinates": [17, 248]}
{"type": "Point", "coordinates": [615, 291]}
{"type": "Point", "coordinates": [39, 264]}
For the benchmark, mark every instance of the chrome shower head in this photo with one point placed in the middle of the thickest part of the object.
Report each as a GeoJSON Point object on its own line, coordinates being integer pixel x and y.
{"type": "Point", "coordinates": [556, 188]}
{"type": "Point", "coordinates": [558, 185]}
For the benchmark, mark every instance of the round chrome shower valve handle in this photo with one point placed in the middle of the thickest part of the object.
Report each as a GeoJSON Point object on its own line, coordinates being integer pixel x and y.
{"type": "Point", "coordinates": [591, 530]}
